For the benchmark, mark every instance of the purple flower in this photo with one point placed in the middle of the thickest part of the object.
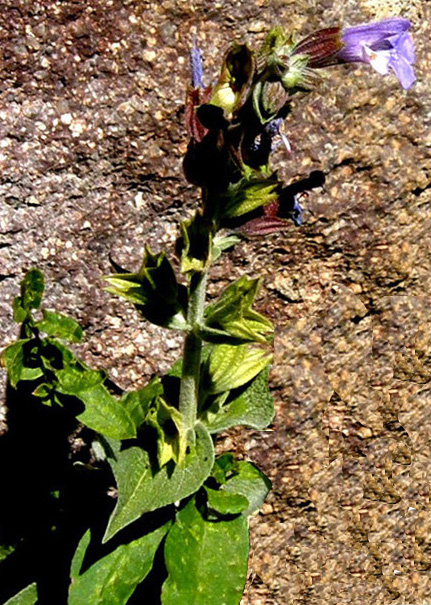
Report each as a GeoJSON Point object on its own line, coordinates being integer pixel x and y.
{"type": "Point", "coordinates": [384, 45]}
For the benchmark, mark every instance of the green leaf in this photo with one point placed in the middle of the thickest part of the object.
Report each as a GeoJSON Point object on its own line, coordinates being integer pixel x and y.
{"type": "Point", "coordinates": [241, 477]}
{"type": "Point", "coordinates": [222, 243]}
{"type": "Point", "coordinates": [31, 373]}
{"type": "Point", "coordinates": [252, 407]}
{"type": "Point", "coordinates": [154, 290]}
{"type": "Point", "coordinates": [79, 555]}
{"type": "Point", "coordinates": [113, 579]}
{"type": "Point", "coordinates": [60, 326]}
{"type": "Point", "coordinates": [19, 313]}
{"type": "Point", "coordinates": [5, 551]}
{"type": "Point", "coordinates": [43, 390]}
{"type": "Point", "coordinates": [220, 337]}
{"type": "Point", "coordinates": [27, 596]}
{"type": "Point", "coordinates": [142, 490]}
{"type": "Point", "coordinates": [103, 413]}
{"type": "Point", "coordinates": [233, 312]}
{"type": "Point", "coordinates": [248, 194]}
{"type": "Point", "coordinates": [225, 502]}
{"type": "Point", "coordinates": [206, 561]}
{"type": "Point", "coordinates": [138, 403]}
{"type": "Point", "coordinates": [225, 466]}
{"type": "Point", "coordinates": [169, 426]}
{"type": "Point", "coordinates": [195, 244]}
{"type": "Point", "coordinates": [230, 367]}
{"type": "Point", "coordinates": [251, 483]}
{"type": "Point", "coordinates": [177, 369]}
{"type": "Point", "coordinates": [32, 288]}
{"type": "Point", "coordinates": [13, 358]}
{"type": "Point", "coordinates": [55, 355]}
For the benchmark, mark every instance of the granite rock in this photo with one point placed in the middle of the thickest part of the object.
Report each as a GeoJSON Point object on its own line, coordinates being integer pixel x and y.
{"type": "Point", "coordinates": [91, 147]}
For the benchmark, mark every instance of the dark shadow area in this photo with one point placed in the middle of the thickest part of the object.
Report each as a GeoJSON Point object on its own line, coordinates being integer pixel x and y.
{"type": "Point", "coordinates": [53, 489]}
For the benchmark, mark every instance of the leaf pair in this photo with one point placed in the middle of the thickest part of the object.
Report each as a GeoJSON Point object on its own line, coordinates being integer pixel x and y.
{"type": "Point", "coordinates": [206, 559]}
{"type": "Point", "coordinates": [154, 290]}
{"type": "Point", "coordinates": [232, 318]}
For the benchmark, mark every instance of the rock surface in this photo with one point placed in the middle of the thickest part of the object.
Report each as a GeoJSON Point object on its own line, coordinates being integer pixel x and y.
{"type": "Point", "coordinates": [91, 144]}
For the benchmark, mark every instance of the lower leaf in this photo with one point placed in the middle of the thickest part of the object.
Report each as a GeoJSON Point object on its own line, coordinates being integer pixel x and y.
{"type": "Point", "coordinates": [27, 596]}
{"type": "Point", "coordinates": [142, 490]}
{"type": "Point", "coordinates": [113, 579]}
{"type": "Point", "coordinates": [206, 560]}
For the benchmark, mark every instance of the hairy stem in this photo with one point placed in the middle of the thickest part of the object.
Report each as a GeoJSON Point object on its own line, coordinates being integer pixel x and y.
{"type": "Point", "coordinates": [189, 389]}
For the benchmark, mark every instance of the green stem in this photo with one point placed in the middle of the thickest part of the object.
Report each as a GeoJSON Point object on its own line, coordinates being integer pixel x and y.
{"type": "Point", "coordinates": [189, 389]}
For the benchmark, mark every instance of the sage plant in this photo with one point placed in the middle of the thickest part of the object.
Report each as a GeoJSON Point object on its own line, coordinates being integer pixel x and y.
{"type": "Point", "coordinates": [190, 540]}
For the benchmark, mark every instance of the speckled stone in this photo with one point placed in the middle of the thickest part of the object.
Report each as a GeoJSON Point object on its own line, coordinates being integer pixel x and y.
{"type": "Point", "coordinates": [91, 145]}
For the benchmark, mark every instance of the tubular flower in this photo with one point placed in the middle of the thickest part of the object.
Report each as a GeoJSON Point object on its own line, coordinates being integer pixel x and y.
{"type": "Point", "coordinates": [384, 45]}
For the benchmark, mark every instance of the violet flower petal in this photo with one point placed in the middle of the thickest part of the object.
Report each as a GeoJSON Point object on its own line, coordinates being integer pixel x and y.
{"type": "Point", "coordinates": [404, 45]}
{"type": "Point", "coordinates": [404, 71]}
{"type": "Point", "coordinates": [375, 35]}
{"type": "Point", "coordinates": [196, 63]}
{"type": "Point", "coordinates": [385, 44]}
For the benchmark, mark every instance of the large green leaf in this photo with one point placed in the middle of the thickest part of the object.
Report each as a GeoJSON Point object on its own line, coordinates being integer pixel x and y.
{"type": "Point", "coordinates": [253, 407]}
{"type": "Point", "coordinates": [103, 413]}
{"type": "Point", "coordinates": [113, 579]}
{"type": "Point", "coordinates": [206, 561]}
{"type": "Point", "coordinates": [60, 326]}
{"type": "Point", "coordinates": [230, 367]}
{"type": "Point", "coordinates": [27, 596]}
{"type": "Point", "coordinates": [141, 490]}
